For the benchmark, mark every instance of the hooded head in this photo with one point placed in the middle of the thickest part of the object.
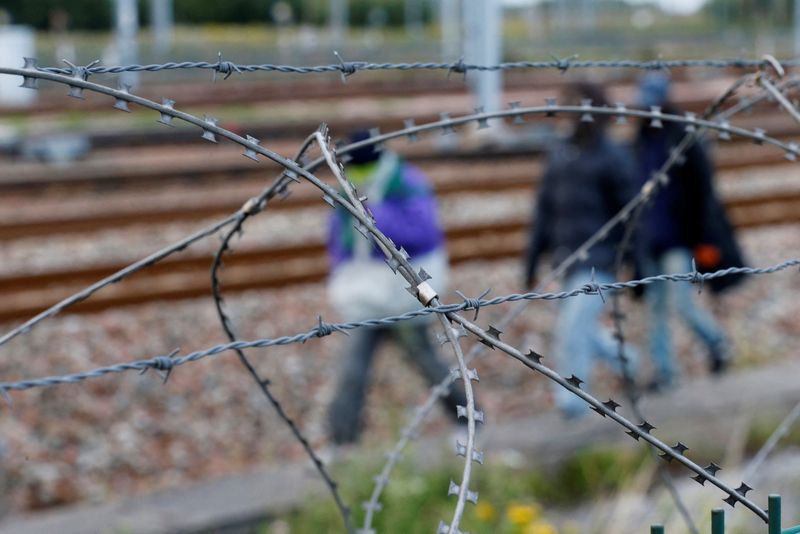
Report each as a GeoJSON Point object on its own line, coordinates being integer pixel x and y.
{"type": "Point", "coordinates": [587, 129]}
{"type": "Point", "coordinates": [654, 90]}
{"type": "Point", "coordinates": [363, 155]}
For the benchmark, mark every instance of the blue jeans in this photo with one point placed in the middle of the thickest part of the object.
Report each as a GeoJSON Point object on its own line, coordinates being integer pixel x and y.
{"type": "Point", "coordinates": [662, 299]}
{"type": "Point", "coordinates": [580, 339]}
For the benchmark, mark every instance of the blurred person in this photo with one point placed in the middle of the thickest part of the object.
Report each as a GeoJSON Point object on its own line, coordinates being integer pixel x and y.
{"type": "Point", "coordinates": [684, 220]}
{"type": "Point", "coordinates": [588, 178]}
{"type": "Point", "coordinates": [362, 286]}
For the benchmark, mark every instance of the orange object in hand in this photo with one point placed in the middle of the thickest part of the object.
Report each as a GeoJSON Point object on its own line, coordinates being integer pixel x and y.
{"type": "Point", "coordinates": [707, 256]}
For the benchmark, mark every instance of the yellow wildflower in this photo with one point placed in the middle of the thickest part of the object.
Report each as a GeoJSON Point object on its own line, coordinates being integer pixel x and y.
{"type": "Point", "coordinates": [485, 511]}
{"type": "Point", "coordinates": [522, 514]}
{"type": "Point", "coordinates": [540, 527]}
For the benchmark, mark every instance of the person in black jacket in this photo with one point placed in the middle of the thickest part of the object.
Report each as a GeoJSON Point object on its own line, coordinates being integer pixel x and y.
{"type": "Point", "coordinates": [588, 179]}
{"type": "Point", "coordinates": [684, 221]}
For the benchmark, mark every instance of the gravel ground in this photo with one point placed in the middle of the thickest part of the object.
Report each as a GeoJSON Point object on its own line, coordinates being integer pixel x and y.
{"type": "Point", "coordinates": [128, 434]}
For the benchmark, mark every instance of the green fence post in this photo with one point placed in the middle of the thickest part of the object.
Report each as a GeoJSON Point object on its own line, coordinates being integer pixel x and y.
{"type": "Point", "coordinates": [657, 529]}
{"type": "Point", "coordinates": [718, 521]}
{"type": "Point", "coordinates": [774, 513]}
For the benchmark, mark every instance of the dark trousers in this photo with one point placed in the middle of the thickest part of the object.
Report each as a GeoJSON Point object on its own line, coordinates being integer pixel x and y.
{"type": "Point", "coordinates": [345, 411]}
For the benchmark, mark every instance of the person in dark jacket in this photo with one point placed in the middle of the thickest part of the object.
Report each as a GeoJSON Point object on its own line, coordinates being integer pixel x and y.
{"type": "Point", "coordinates": [685, 220]}
{"type": "Point", "coordinates": [588, 179]}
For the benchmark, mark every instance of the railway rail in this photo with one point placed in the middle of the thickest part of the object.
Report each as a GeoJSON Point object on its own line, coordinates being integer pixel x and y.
{"type": "Point", "coordinates": [456, 172]}
{"type": "Point", "coordinates": [278, 266]}
{"type": "Point", "coordinates": [451, 174]}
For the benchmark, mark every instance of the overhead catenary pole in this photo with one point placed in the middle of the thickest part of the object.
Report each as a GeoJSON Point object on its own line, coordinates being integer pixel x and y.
{"type": "Point", "coordinates": [161, 22]}
{"type": "Point", "coordinates": [483, 46]}
{"type": "Point", "coordinates": [412, 14]}
{"type": "Point", "coordinates": [449, 22]}
{"type": "Point", "coordinates": [338, 17]}
{"type": "Point", "coordinates": [797, 28]}
{"type": "Point", "coordinates": [126, 26]}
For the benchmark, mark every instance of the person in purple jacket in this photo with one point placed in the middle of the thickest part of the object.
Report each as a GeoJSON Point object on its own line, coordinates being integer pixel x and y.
{"type": "Point", "coordinates": [362, 286]}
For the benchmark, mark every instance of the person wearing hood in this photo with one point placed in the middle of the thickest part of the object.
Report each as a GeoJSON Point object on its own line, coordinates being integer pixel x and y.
{"type": "Point", "coordinates": [684, 221]}
{"type": "Point", "coordinates": [588, 178]}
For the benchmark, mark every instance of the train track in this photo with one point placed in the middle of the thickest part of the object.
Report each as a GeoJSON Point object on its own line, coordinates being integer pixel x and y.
{"type": "Point", "coordinates": [450, 176]}
{"type": "Point", "coordinates": [162, 162]}
{"type": "Point", "coordinates": [279, 266]}
{"type": "Point", "coordinates": [458, 172]}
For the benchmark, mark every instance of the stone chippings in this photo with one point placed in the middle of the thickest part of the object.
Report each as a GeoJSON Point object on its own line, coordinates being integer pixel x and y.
{"type": "Point", "coordinates": [129, 434]}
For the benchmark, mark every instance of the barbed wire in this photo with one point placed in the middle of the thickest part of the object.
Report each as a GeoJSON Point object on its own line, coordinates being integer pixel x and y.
{"type": "Point", "coordinates": [629, 386]}
{"type": "Point", "coordinates": [348, 68]}
{"type": "Point", "coordinates": [580, 253]}
{"type": "Point", "coordinates": [607, 409]}
{"type": "Point", "coordinates": [675, 159]}
{"type": "Point", "coordinates": [399, 261]}
{"type": "Point", "coordinates": [263, 383]}
{"type": "Point", "coordinates": [322, 329]}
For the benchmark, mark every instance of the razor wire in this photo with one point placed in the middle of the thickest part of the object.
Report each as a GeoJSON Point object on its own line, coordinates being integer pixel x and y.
{"type": "Point", "coordinates": [581, 253]}
{"type": "Point", "coordinates": [398, 260]}
{"type": "Point", "coordinates": [674, 160]}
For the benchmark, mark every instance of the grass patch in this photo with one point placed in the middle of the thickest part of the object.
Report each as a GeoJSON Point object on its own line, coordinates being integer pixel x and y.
{"type": "Point", "coordinates": [511, 500]}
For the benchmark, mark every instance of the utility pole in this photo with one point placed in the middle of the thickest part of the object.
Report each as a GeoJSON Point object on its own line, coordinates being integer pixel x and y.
{"type": "Point", "coordinates": [796, 28]}
{"type": "Point", "coordinates": [483, 46]}
{"type": "Point", "coordinates": [338, 17]}
{"type": "Point", "coordinates": [161, 22]}
{"type": "Point", "coordinates": [126, 21]}
{"type": "Point", "coordinates": [449, 22]}
{"type": "Point", "coordinates": [412, 15]}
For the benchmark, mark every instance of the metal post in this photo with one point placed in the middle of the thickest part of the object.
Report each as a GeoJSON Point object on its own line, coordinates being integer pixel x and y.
{"type": "Point", "coordinates": [482, 46]}
{"type": "Point", "coordinates": [161, 22]}
{"type": "Point", "coordinates": [797, 28]}
{"type": "Point", "coordinates": [774, 514]}
{"type": "Point", "coordinates": [449, 23]}
{"type": "Point", "coordinates": [16, 42]}
{"type": "Point", "coordinates": [562, 15]}
{"type": "Point", "coordinates": [588, 7]}
{"type": "Point", "coordinates": [126, 19]}
{"type": "Point", "coordinates": [718, 521]}
{"type": "Point", "coordinates": [338, 18]}
{"type": "Point", "coordinates": [412, 15]}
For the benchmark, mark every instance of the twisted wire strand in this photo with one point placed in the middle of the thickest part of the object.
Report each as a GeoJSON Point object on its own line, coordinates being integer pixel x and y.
{"type": "Point", "coordinates": [630, 388]}
{"type": "Point", "coordinates": [116, 277]}
{"type": "Point", "coordinates": [325, 329]}
{"type": "Point", "coordinates": [262, 382]}
{"type": "Point", "coordinates": [348, 68]}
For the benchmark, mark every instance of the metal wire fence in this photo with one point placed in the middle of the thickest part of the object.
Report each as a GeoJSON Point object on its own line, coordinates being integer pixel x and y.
{"type": "Point", "coordinates": [767, 74]}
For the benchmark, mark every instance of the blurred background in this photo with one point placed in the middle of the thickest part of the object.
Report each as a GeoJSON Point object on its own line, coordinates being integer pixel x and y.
{"type": "Point", "coordinates": [87, 189]}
